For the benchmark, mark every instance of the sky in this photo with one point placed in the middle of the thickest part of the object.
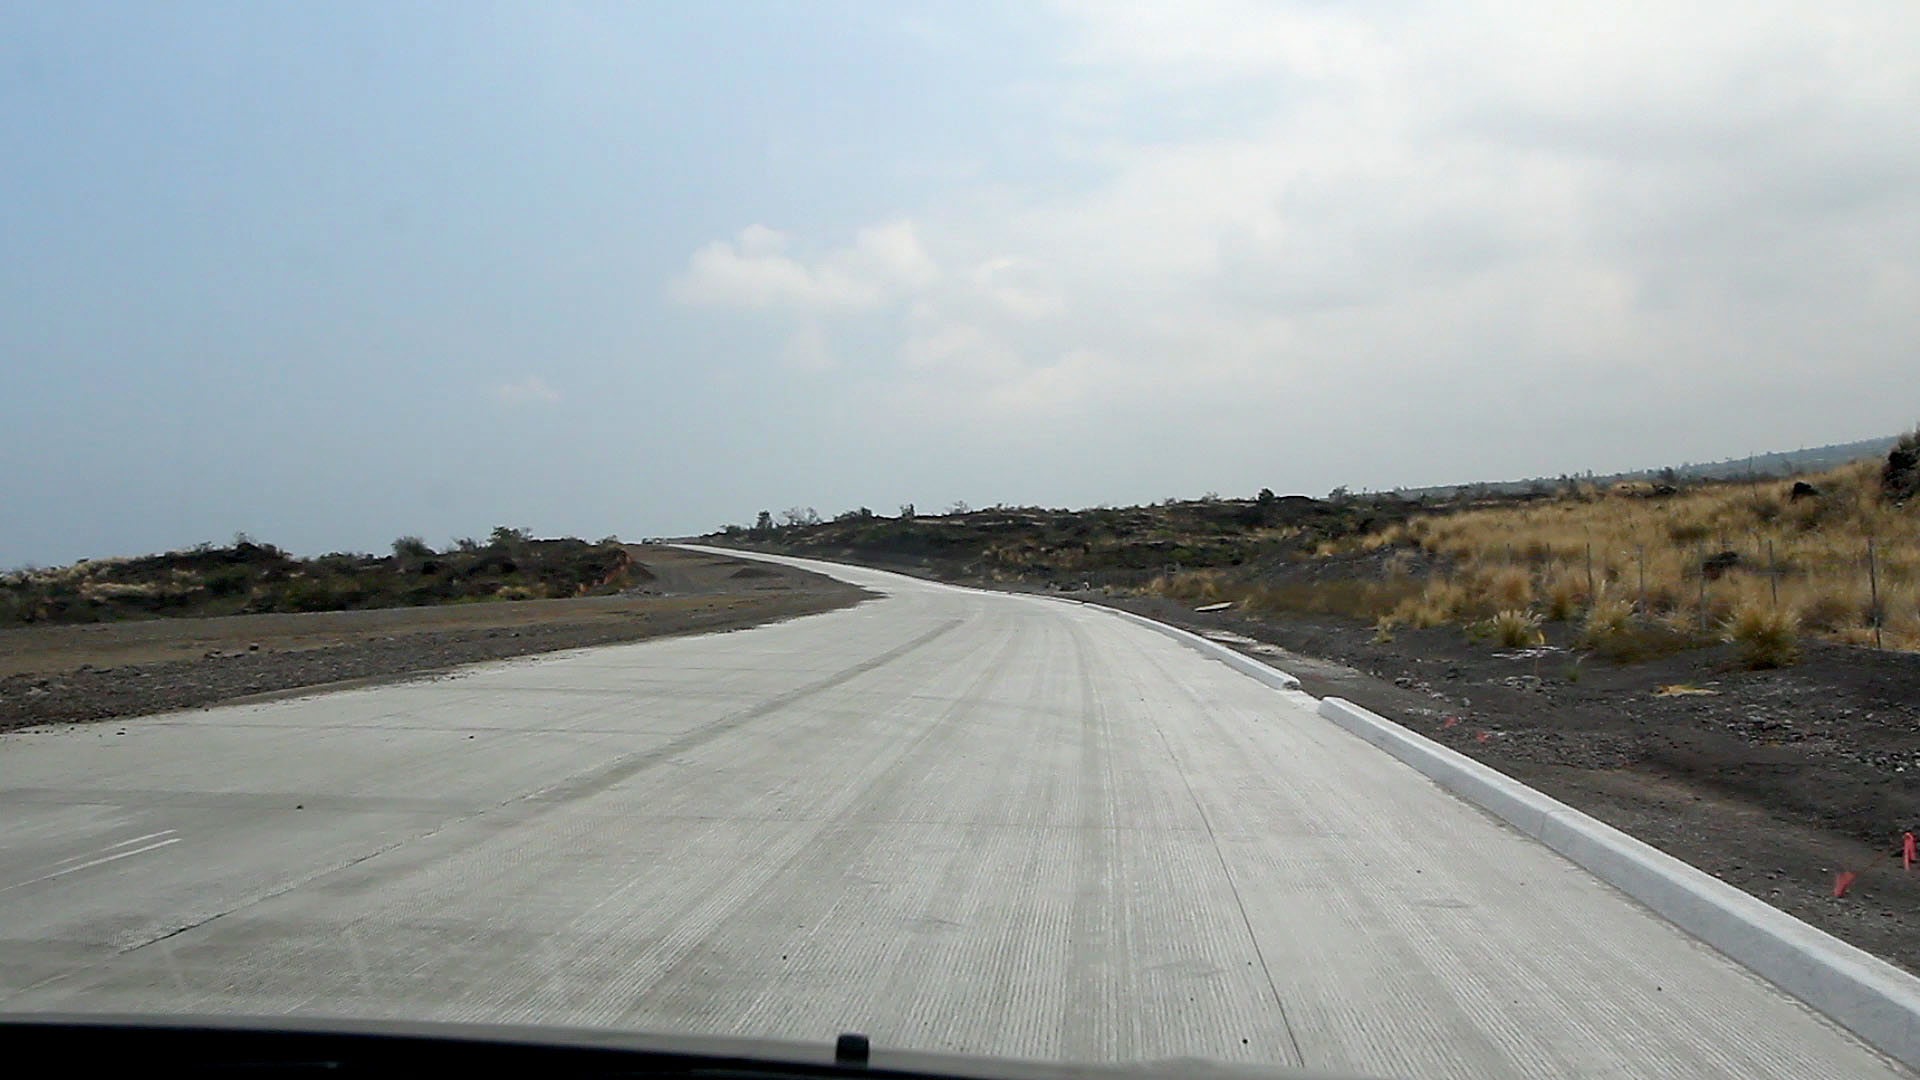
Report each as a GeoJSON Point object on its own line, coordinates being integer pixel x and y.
{"type": "Point", "coordinates": [332, 274]}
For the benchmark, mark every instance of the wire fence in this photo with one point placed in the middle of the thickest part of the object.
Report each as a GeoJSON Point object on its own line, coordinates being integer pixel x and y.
{"type": "Point", "coordinates": [1865, 592]}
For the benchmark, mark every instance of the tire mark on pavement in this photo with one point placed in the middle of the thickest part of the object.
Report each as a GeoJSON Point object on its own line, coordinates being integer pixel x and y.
{"type": "Point", "coordinates": [544, 801]}
{"type": "Point", "coordinates": [1226, 871]}
{"type": "Point", "coordinates": [674, 988]}
{"type": "Point", "coordinates": [624, 768]}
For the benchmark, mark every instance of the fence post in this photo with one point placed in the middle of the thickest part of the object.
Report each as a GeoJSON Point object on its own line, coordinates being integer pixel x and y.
{"type": "Point", "coordinates": [1873, 583]}
{"type": "Point", "coordinates": [1700, 566]}
{"type": "Point", "coordinates": [1590, 592]}
{"type": "Point", "coordinates": [1773, 575]}
{"type": "Point", "coordinates": [1643, 579]}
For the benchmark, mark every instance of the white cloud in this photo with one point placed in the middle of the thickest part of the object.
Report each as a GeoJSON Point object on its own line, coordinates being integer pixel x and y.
{"type": "Point", "coordinates": [1452, 216]}
{"type": "Point", "coordinates": [957, 349]}
{"type": "Point", "coordinates": [1003, 281]}
{"type": "Point", "coordinates": [807, 349]}
{"type": "Point", "coordinates": [532, 390]}
{"type": "Point", "coordinates": [755, 271]}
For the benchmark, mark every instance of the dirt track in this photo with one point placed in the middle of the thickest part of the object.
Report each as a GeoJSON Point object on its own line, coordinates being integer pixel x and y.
{"type": "Point", "coordinates": [105, 670]}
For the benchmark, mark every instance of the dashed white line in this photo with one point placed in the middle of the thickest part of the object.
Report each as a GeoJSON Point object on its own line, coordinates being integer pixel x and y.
{"type": "Point", "coordinates": [92, 863]}
{"type": "Point", "coordinates": [114, 847]}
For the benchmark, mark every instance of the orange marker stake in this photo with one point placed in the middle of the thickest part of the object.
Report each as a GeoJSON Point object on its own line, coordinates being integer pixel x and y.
{"type": "Point", "coordinates": [1842, 882]}
{"type": "Point", "coordinates": [1907, 854]}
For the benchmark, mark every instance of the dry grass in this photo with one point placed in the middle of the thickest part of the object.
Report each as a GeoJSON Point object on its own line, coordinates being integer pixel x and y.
{"type": "Point", "coordinates": [1368, 600]}
{"type": "Point", "coordinates": [1766, 637]}
{"type": "Point", "coordinates": [1563, 595]}
{"type": "Point", "coordinates": [1515, 629]}
{"type": "Point", "coordinates": [1631, 568]}
{"type": "Point", "coordinates": [1606, 620]}
{"type": "Point", "coordinates": [1804, 559]}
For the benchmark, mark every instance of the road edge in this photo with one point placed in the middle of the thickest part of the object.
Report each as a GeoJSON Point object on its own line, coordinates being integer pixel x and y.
{"type": "Point", "coordinates": [1246, 665]}
{"type": "Point", "coordinates": [1862, 993]}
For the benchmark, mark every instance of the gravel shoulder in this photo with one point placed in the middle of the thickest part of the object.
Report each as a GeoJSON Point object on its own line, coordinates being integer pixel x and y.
{"type": "Point", "coordinates": [110, 670]}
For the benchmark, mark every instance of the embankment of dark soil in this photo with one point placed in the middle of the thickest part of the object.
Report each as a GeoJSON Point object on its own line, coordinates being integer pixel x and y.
{"type": "Point", "coordinates": [77, 673]}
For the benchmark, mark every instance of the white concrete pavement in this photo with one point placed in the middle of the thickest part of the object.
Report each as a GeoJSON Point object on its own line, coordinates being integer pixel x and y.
{"type": "Point", "coordinates": [951, 820]}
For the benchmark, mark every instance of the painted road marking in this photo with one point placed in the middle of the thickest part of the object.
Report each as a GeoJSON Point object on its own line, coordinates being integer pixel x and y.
{"type": "Point", "coordinates": [100, 857]}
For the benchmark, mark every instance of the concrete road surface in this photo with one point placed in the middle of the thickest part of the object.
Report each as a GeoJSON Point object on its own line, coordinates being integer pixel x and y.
{"type": "Point", "coordinates": [954, 821]}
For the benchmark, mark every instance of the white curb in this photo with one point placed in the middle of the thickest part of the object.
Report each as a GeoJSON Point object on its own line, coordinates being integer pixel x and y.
{"type": "Point", "coordinates": [1868, 996]}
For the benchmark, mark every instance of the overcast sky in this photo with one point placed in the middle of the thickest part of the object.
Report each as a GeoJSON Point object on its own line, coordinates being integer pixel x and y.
{"type": "Point", "coordinates": [331, 273]}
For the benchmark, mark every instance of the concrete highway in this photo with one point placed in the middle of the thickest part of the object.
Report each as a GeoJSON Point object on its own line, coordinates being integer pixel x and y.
{"type": "Point", "coordinates": [953, 821]}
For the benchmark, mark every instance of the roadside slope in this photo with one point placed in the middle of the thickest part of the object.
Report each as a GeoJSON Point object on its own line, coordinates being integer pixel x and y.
{"type": "Point", "coordinates": [107, 670]}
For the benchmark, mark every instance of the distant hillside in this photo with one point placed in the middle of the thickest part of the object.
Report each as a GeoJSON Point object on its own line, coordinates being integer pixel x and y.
{"type": "Point", "coordinates": [1775, 464]}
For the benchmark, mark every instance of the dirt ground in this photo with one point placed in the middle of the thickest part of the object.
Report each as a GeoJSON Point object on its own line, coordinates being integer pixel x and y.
{"type": "Point", "coordinates": [1773, 781]}
{"type": "Point", "coordinates": [104, 670]}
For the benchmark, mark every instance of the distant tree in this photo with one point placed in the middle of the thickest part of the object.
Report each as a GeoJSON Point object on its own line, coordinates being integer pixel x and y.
{"type": "Point", "coordinates": [799, 516]}
{"type": "Point", "coordinates": [505, 536]}
{"type": "Point", "coordinates": [411, 547]}
{"type": "Point", "coordinates": [465, 544]}
{"type": "Point", "coordinates": [763, 523]}
{"type": "Point", "coordinates": [732, 530]}
{"type": "Point", "coordinates": [1339, 494]}
{"type": "Point", "coordinates": [609, 540]}
{"type": "Point", "coordinates": [906, 511]}
{"type": "Point", "coordinates": [960, 507]}
{"type": "Point", "coordinates": [1210, 497]}
{"type": "Point", "coordinates": [1267, 497]}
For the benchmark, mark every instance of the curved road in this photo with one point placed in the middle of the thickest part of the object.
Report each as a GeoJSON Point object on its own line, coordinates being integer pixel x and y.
{"type": "Point", "coordinates": [951, 820]}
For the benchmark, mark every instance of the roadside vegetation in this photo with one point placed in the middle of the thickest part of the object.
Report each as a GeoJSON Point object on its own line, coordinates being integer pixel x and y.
{"type": "Point", "coordinates": [1644, 571]}
{"type": "Point", "coordinates": [1834, 555]}
{"type": "Point", "coordinates": [1641, 568]}
{"type": "Point", "coordinates": [246, 577]}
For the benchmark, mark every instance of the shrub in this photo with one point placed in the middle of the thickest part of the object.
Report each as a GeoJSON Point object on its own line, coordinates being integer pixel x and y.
{"type": "Point", "coordinates": [1383, 630]}
{"type": "Point", "coordinates": [1900, 476]}
{"type": "Point", "coordinates": [1829, 611]}
{"type": "Point", "coordinates": [1514, 629]}
{"type": "Point", "coordinates": [1688, 532]}
{"type": "Point", "coordinates": [1419, 614]}
{"type": "Point", "coordinates": [1608, 619]}
{"type": "Point", "coordinates": [1564, 594]}
{"type": "Point", "coordinates": [1767, 637]}
{"type": "Point", "coordinates": [1509, 589]}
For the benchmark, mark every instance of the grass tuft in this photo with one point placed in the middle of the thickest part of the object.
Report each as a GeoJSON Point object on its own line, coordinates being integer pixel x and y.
{"type": "Point", "coordinates": [1513, 629]}
{"type": "Point", "coordinates": [1766, 637]}
{"type": "Point", "coordinates": [1607, 620]}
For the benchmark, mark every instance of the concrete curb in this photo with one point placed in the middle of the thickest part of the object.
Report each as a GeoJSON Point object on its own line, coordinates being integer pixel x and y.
{"type": "Point", "coordinates": [1868, 996]}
